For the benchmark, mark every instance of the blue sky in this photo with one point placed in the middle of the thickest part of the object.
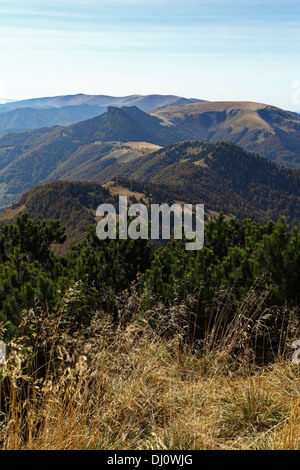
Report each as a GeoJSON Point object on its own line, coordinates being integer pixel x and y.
{"type": "Point", "coordinates": [215, 50]}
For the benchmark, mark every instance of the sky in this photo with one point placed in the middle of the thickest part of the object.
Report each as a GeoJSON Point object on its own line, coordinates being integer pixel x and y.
{"type": "Point", "coordinates": [219, 50]}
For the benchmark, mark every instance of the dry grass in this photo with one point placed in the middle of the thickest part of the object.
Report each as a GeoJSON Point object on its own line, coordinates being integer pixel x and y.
{"type": "Point", "coordinates": [126, 387]}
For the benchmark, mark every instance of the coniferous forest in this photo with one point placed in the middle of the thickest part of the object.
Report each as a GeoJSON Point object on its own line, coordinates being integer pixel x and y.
{"type": "Point", "coordinates": [90, 332]}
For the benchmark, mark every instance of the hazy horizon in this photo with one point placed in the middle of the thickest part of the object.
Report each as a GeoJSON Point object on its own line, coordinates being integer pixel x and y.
{"type": "Point", "coordinates": [218, 50]}
{"type": "Point", "coordinates": [11, 100]}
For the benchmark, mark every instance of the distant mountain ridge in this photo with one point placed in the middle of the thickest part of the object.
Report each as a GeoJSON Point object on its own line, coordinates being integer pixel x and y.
{"type": "Point", "coordinates": [24, 119]}
{"type": "Point", "coordinates": [270, 131]}
{"type": "Point", "coordinates": [90, 149]}
{"type": "Point", "coordinates": [267, 130]}
{"type": "Point", "coordinates": [29, 158]}
{"type": "Point", "coordinates": [66, 110]}
{"type": "Point", "coordinates": [144, 102]}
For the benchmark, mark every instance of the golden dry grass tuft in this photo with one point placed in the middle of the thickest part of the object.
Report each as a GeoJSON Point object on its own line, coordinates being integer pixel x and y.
{"type": "Point", "coordinates": [126, 387]}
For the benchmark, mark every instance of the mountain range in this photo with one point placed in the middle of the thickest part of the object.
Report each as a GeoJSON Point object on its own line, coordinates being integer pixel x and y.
{"type": "Point", "coordinates": [222, 176]}
{"type": "Point", "coordinates": [187, 148]}
{"type": "Point", "coordinates": [267, 130]}
{"type": "Point", "coordinates": [83, 150]}
{"type": "Point", "coordinates": [65, 110]}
